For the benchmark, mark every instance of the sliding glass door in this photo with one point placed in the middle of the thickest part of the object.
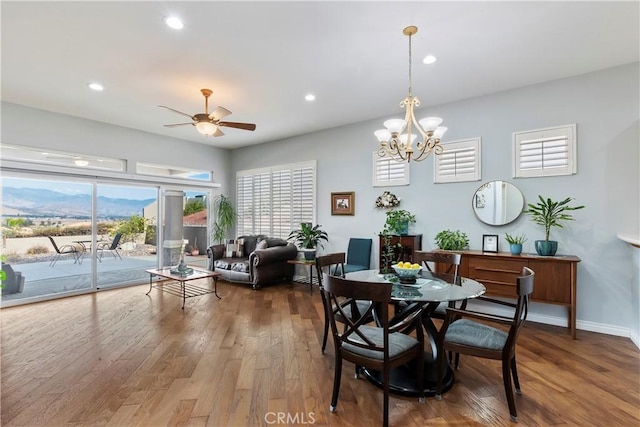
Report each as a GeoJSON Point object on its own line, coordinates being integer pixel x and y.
{"type": "Point", "coordinates": [64, 236]}
{"type": "Point", "coordinates": [45, 227]}
{"type": "Point", "coordinates": [126, 242]}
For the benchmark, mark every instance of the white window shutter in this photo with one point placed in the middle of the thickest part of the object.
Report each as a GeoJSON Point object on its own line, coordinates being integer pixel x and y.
{"type": "Point", "coordinates": [276, 200]}
{"type": "Point", "coordinates": [459, 162]}
{"type": "Point", "coordinates": [545, 152]}
{"type": "Point", "coordinates": [388, 172]}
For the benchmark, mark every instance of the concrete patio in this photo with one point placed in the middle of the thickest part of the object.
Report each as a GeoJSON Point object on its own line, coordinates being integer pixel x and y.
{"type": "Point", "coordinates": [65, 276]}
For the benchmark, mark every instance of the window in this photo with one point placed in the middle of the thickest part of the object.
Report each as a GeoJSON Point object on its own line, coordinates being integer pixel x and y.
{"type": "Point", "coordinates": [545, 152]}
{"type": "Point", "coordinates": [388, 172]}
{"type": "Point", "coordinates": [460, 161]}
{"type": "Point", "coordinates": [59, 158]}
{"type": "Point", "coordinates": [274, 201]}
{"type": "Point", "coordinates": [172, 172]}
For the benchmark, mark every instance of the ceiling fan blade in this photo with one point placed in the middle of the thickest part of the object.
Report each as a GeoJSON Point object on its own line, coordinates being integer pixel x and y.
{"type": "Point", "coordinates": [219, 113]}
{"type": "Point", "coordinates": [175, 111]}
{"type": "Point", "coordinates": [178, 124]}
{"type": "Point", "coordinates": [218, 132]}
{"type": "Point", "coordinates": [245, 126]}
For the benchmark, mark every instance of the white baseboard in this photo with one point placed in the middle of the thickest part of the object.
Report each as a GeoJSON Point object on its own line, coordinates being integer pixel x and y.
{"type": "Point", "coordinates": [635, 337]}
{"type": "Point", "coordinates": [580, 324]}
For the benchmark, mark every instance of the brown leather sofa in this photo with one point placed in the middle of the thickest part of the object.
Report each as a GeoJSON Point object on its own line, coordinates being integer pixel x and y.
{"type": "Point", "coordinates": [255, 260]}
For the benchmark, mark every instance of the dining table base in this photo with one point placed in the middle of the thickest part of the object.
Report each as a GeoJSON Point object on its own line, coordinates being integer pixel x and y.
{"type": "Point", "coordinates": [403, 380]}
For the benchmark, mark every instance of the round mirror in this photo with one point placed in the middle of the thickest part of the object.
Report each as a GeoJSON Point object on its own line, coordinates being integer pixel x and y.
{"type": "Point", "coordinates": [497, 203]}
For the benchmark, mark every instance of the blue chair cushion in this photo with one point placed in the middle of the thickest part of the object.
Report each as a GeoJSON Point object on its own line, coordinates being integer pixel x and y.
{"type": "Point", "coordinates": [398, 343]}
{"type": "Point", "coordinates": [363, 306]}
{"type": "Point", "coordinates": [468, 332]}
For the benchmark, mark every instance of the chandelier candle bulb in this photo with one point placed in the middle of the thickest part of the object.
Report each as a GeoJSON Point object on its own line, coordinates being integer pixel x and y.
{"type": "Point", "coordinates": [398, 145]}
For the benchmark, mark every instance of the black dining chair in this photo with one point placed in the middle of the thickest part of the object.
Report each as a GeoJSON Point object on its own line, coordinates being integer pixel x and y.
{"type": "Point", "coordinates": [377, 347]}
{"type": "Point", "coordinates": [476, 338]}
{"type": "Point", "coordinates": [442, 262]}
{"type": "Point", "coordinates": [329, 264]}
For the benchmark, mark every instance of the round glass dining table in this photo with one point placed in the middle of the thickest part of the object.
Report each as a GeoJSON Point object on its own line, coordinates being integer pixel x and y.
{"type": "Point", "coordinates": [430, 290]}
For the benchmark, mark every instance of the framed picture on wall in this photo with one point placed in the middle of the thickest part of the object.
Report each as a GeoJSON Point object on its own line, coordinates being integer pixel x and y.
{"type": "Point", "coordinates": [343, 203]}
{"type": "Point", "coordinates": [489, 243]}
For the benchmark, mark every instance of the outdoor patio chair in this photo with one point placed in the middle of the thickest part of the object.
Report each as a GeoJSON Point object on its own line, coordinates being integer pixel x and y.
{"type": "Point", "coordinates": [111, 247]}
{"type": "Point", "coordinates": [65, 250]}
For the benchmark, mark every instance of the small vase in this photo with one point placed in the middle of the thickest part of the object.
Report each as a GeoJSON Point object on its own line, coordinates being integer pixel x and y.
{"type": "Point", "coordinates": [546, 247]}
{"type": "Point", "coordinates": [515, 248]}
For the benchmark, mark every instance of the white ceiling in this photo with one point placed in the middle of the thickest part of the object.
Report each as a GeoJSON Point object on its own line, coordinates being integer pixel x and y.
{"type": "Point", "coordinates": [261, 58]}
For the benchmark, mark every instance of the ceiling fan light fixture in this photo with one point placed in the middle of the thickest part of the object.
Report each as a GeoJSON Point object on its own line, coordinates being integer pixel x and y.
{"type": "Point", "coordinates": [206, 128]}
{"type": "Point", "coordinates": [174, 22]}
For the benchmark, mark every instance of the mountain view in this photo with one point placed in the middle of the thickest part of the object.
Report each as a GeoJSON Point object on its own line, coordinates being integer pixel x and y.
{"type": "Point", "coordinates": [47, 203]}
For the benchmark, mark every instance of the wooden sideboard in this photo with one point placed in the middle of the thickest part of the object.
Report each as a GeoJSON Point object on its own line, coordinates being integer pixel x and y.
{"type": "Point", "coordinates": [555, 280]}
{"type": "Point", "coordinates": [408, 245]}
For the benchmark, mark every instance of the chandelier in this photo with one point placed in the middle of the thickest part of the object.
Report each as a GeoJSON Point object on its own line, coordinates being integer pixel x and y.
{"type": "Point", "coordinates": [398, 144]}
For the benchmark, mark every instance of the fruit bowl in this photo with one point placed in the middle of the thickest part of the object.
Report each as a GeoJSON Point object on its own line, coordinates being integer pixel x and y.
{"type": "Point", "coordinates": [407, 275]}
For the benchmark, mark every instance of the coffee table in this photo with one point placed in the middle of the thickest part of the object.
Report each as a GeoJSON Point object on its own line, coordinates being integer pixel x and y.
{"type": "Point", "coordinates": [178, 285]}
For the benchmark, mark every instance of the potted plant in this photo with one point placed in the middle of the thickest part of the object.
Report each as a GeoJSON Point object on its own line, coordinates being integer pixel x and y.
{"type": "Point", "coordinates": [549, 213]}
{"type": "Point", "coordinates": [225, 217]}
{"type": "Point", "coordinates": [308, 238]}
{"type": "Point", "coordinates": [515, 242]}
{"type": "Point", "coordinates": [452, 240]}
{"type": "Point", "coordinates": [133, 231]}
{"type": "Point", "coordinates": [398, 222]}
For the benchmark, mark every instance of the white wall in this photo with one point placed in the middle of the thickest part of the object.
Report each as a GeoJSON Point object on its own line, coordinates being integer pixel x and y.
{"type": "Point", "coordinates": [605, 107]}
{"type": "Point", "coordinates": [37, 128]}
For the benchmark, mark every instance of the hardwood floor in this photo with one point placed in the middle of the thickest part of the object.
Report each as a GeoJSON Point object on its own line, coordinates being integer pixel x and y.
{"type": "Point", "coordinates": [120, 357]}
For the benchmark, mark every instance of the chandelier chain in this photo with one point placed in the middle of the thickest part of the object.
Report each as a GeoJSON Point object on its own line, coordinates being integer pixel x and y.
{"type": "Point", "coordinates": [410, 82]}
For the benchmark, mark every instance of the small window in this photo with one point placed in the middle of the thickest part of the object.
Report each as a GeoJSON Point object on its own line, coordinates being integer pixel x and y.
{"type": "Point", "coordinates": [388, 172]}
{"type": "Point", "coordinates": [59, 158]}
{"type": "Point", "coordinates": [545, 152]}
{"type": "Point", "coordinates": [459, 162]}
{"type": "Point", "coordinates": [172, 172]}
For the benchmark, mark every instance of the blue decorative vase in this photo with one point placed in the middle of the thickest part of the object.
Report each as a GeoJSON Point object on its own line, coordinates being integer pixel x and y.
{"type": "Point", "coordinates": [546, 247]}
{"type": "Point", "coordinates": [403, 228]}
{"type": "Point", "coordinates": [309, 254]}
{"type": "Point", "coordinates": [515, 248]}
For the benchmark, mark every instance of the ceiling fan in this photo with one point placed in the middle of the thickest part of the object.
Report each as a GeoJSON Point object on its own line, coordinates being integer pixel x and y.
{"type": "Point", "coordinates": [209, 123]}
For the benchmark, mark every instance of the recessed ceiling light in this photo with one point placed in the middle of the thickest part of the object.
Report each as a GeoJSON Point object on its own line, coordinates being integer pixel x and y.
{"type": "Point", "coordinates": [96, 86]}
{"type": "Point", "coordinates": [174, 22]}
{"type": "Point", "coordinates": [429, 59]}
{"type": "Point", "coordinates": [310, 97]}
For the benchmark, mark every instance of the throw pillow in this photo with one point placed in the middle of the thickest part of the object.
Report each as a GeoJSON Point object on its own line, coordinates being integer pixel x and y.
{"type": "Point", "coordinates": [232, 249]}
{"type": "Point", "coordinates": [240, 252]}
{"type": "Point", "coordinates": [274, 241]}
{"type": "Point", "coordinates": [262, 244]}
{"type": "Point", "coordinates": [222, 265]}
{"type": "Point", "coordinates": [242, 267]}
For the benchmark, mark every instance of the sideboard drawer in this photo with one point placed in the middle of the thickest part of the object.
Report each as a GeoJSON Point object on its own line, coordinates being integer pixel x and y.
{"type": "Point", "coordinates": [499, 270]}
